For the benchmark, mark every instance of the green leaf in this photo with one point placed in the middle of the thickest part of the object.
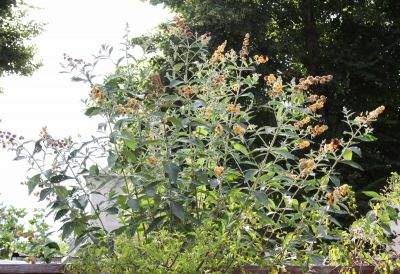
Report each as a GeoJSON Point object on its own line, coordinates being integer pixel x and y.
{"type": "Point", "coordinates": [38, 147]}
{"type": "Point", "coordinates": [59, 178]}
{"type": "Point", "coordinates": [352, 164]}
{"type": "Point", "coordinates": [155, 223]}
{"type": "Point", "coordinates": [92, 111]}
{"type": "Point", "coordinates": [356, 150]}
{"type": "Point", "coordinates": [175, 83]}
{"type": "Point", "coordinates": [111, 159]}
{"type": "Point", "coordinates": [133, 204]}
{"type": "Point", "coordinates": [367, 138]}
{"type": "Point", "coordinates": [61, 191]}
{"type": "Point", "coordinates": [261, 197]}
{"type": "Point", "coordinates": [177, 209]}
{"type": "Point", "coordinates": [173, 171]}
{"type": "Point", "coordinates": [285, 154]}
{"type": "Point", "coordinates": [371, 194]}
{"type": "Point", "coordinates": [112, 211]}
{"type": "Point", "coordinates": [53, 245]}
{"type": "Point", "coordinates": [44, 193]}
{"type": "Point", "coordinates": [60, 213]}
{"type": "Point", "coordinates": [347, 155]}
{"type": "Point", "coordinates": [241, 148]}
{"type": "Point", "coordinates": [33, 182]}
{"type": "Point", "coordinates": [249, 174]}
{"type": "Point", "coordinates": [94, 170]}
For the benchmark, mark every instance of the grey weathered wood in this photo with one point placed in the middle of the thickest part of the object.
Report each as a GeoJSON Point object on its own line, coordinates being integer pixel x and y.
{"type": "Point", "coordinates": [32, 268]}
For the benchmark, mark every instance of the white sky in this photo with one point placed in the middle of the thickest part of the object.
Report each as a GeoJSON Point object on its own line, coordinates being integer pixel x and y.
{"type": "Point", "coordinates": [48, 98]}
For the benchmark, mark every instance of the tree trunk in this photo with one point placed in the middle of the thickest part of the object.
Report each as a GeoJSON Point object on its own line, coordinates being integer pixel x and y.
{"type": "Point", "coordinates": [311, 38]}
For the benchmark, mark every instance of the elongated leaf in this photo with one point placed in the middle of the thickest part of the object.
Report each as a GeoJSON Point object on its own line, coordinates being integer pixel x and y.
{"type": "Point", "coordinates": [241, 148]}
{"type": "Point", "coordinates": [33, 182]}
{"type": "Point", "coordinates": [173, 171]}
{"type": "Point", "coordinates": [347, 155]}
{"type": "Point", "coordinates": [356, 150]}
{"type": "Point", "coordinates": [352, 164]}
{"type": "Point", "coordinates": [371, 194]}
{"type": "Point", "coordinates": [261, 197]}
{"type": "Point", "coordinates": [60, 213]}
{"type": "Point", "coordinates": [249, 174]}
{"type": "Point", "coordinates": [285, 154]}
{"type": "Point", "coordinates": [44, 193]}
{"type": "Point", "coordinates": [38, 147]}
{"type": "Point", "coordinates": [133, 204]}
{"type": "Point", "coordinates": [59, 178]}
{"type": "Point", "coordinates": [154, 224]}
{"type": "Point", "coordinates": [53, 245]}
{"type": "Point", "coordinates": [92, 111]}
{"type": "Point", "coordinates": [177, 210]}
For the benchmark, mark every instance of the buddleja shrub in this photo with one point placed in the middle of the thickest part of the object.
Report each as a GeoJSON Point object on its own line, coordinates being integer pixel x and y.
{"type": "Point", "coordinates": [187, 151]}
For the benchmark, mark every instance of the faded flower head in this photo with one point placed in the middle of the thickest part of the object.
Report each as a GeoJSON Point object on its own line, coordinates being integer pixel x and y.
{"type": "Point", "coordinates": [238, 130]}
{"type": "Point", "coordinates": [218, 170]}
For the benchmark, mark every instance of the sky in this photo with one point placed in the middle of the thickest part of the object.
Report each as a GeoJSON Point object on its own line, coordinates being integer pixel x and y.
{"type": "Point", "coordinates": [48, 98]}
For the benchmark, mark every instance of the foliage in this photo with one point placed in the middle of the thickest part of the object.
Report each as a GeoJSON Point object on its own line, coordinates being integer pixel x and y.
{"type": "Point", "coordinates": [356, 41]}
{"type": "Point", "coordinates": [193, 171]}
{"type": "Point", "coordinates": [16, 31]}
{"type": "Point", "coordinates": [32, 239]}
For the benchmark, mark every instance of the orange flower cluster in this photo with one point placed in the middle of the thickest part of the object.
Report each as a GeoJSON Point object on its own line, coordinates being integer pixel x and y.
{"type": "Point", "coordinates": [371, 116]}
{"type": "Point", "coordinates": [261, 59]}
{"type": "Point", "coordinates": [333, 145]}
{"type": "Point", "coordinates": [277, 88]}
{"type": "Point", "coordinates": [8, 138]}
{"type": "Point", "coordinates": [235, 109]}
{"type": "Point", "coordinates": [270, 79]}
{"type": "Point", "coordinates": [302, 123]}
{"type": "Point", "coordinates": [338, 193]}
{"type": "Point", "coordinates": [188, 91]}
{"type": "Point", "coordinates": [307, 165]}
{"type": "Point", "coordinates": [304, 144]}
{"type": "Point", "coordinates": [235, 88]}
{"type": "Point", "coordinates": [220, 79]}
{"type": "Point", "coordinates": [218, 170]}
{"type": "Point", "coordinates": [133, 103]}
{"type": "Point", "coordinates": [156, 86]}
{"type": "Point", "coordinates": [180, 28]}
{"type": "Point", "coordinates": [205, 39]}
{"type": "Point", "coordinates": [54, 143]}
{"type": "Point", "coordinates": [320, 101]}
{"type": "Point", "coordinates": [152, 160]}
{"type": "Point", "coordinates": [98, 96]}
{"type": "Point", "coordinates": [245, 47]}
{"type": "Point", "coordinates": [219, 130]}
{"type": "Point", "coordinates": [238, 130]}
{"type": "Point", "coordinates": [218, 54]}
{"type": "Point", "coordinates": [317, 130]}
{"type": "Point", "coordinates": [305, 83]}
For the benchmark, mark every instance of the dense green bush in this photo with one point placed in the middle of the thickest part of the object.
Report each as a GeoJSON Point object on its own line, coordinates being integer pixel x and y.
{"type": "Point", "coordinates": [198, 179]}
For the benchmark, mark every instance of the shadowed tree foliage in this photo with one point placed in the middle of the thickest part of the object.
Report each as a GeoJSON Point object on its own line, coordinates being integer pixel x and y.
{"type": "Point", "coordinates": [16, 54]}
{"type": "Point", "coordinates": [357, 41]}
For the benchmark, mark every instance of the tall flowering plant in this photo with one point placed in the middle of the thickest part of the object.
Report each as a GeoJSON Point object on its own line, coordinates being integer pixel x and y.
{"type": "Point", "coordinates": [188, 152]}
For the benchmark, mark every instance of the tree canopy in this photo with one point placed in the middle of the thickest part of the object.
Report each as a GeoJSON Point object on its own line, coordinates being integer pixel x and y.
{"type": "Point", "coordinates": [16, 54]}
{"type": "Point", "coordinates": [357, 41]}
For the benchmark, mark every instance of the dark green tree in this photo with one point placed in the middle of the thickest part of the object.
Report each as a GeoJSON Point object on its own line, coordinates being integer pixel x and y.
{"type": "Point", "coordinates": [16, 54]}
{"type": "Point", "coordinates": [357, 41]}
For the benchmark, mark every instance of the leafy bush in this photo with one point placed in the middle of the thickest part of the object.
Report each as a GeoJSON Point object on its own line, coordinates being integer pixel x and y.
{"type": "Point", "coordinates": [31, 239]}
{"type": "Point", "coordinates": [198, 179]}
